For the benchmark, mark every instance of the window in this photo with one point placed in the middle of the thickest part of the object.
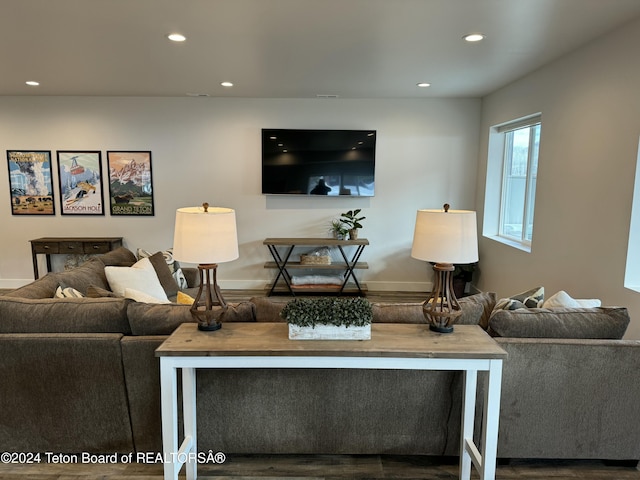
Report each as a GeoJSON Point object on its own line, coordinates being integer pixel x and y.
{"type": "Point", "coordinates": [632, 271]}
{"type": "Point", "coordinates": [512, 170]}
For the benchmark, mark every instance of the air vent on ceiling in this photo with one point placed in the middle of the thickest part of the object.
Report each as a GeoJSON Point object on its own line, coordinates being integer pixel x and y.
{"type": "Point", "coordinates": [197, 94]}
{"type": "Point", "coordinates": [320, 95]}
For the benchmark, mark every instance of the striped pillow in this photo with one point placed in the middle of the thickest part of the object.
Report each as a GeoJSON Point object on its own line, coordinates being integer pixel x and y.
{"type": "Point", "coordinates": [67, 292]}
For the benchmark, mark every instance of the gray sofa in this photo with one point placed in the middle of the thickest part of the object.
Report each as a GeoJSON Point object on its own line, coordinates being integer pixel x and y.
{"type": "Point", "coordinates": [81, 375]}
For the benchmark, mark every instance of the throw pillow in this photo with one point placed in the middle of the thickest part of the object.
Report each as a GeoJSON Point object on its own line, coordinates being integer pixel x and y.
{"type": "Point", "coordinates": [530, 299]}
{"type": "Point", "coordinates": [164, 274]}
{"type": "Point", "coordinates": [140, 276]}
{"type": "Point", "coordinates": [67, 292]}
{"type": "Point", "coordinates": [139, 296]}
{"type": "Point", "coordinates": [184, 299]}
{"type": "Point", "coordinates": [563, 299]}
{"type": "Point", "coordinates": [174, 266]}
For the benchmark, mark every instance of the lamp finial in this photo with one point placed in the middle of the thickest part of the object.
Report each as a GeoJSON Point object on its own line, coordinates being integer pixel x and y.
{"type": "Point", "coordinates": [445, 206]}
{"type": "Point", "coordinates": [205, 205]}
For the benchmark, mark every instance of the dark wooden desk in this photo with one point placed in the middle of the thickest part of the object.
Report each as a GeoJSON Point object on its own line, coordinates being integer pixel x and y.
{"type": "Point", "coordinates": [70, 246]}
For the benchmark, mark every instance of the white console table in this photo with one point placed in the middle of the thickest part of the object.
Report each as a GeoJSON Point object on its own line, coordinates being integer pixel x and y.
{"type": "Point", "coordinates": [392, 346]}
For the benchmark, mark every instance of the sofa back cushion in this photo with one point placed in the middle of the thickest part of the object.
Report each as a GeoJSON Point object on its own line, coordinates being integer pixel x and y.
{"type": "Point", "coordinates": [90, 272]}
{"type": "Point", "coordinates": [163, 319]}
{"type": "Point", "coordinates": [412, 313]}
{"type": "Point", "coordinates": [602, 323]}
{"type": "Point", "coordinates": [120, 257]}
{"type": "Point", "coordinates": [64, 315]}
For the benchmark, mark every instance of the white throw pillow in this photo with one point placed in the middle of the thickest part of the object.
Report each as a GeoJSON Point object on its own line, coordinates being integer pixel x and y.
{"type": "Point", "coordinates": [140, 276]}
{"type": "Point", "coordinates": [142, 297]}
{"type": "Point", "coordinates": [563, 299]}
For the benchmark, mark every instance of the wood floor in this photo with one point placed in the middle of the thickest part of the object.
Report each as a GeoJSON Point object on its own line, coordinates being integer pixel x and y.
{"type": "Point", "coordinates": [329, 467]}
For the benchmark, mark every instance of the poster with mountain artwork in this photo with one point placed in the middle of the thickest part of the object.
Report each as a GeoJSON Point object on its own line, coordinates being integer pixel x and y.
{"type": "Point", "coordinates": [130, 186]}
{"type": "Point", "coordinates": [80, 179]}
{"type": "Point", "coordinates": [30, 182]}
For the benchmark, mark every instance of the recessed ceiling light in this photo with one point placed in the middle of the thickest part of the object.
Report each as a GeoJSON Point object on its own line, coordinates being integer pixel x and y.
{"type": "Point", "coordinates": [190, 94]}
{"type": "Point", "coordinates": [424, 85]}
{"type": "Point", "coordinates": [474, 37]}
{"type": "Point", "coordinates": [176, 37]}
{"type": "Point", "coordinates": [32, 83]}
{"type": "Point", "coordinates": [227, 84]}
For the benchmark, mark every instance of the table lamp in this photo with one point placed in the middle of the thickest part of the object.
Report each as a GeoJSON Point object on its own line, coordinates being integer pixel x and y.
{"type": "Point", "coordinates": [206, 236]}
{"type": "Point", "coordinates": [444, 237]}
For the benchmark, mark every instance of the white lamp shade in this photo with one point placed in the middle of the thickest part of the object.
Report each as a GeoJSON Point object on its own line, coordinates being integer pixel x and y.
{"type": "Point", "coordinates": [205, 237]}
{"type": "Point", "coordinates": [445, 237]}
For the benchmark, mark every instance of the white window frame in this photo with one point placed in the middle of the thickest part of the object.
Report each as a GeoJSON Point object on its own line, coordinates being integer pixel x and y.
{"type": "Point", "coordinates": [498, 162]}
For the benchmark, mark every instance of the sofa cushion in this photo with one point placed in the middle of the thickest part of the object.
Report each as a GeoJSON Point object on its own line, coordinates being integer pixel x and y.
{"type": "Point", "coordinates": [163, 319]}
{"type": "Point", "coordinates": [595, 323]}
{"type": "Point", "coordinates": [268, 309]}
{"type": "Point", "coordinates": [63, 315]}
{"type": "Point", "coordinates": [485, 299]}
{"type": "Point", "coordinates": [140, 276]}
{"type": "Point", "coordinates": [412, 313]}
{"type": "Point", "coordinates": [120, 257]}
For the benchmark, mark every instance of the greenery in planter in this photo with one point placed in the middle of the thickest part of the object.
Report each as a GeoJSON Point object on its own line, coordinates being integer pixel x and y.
{"type": "Point", "coordinates": [309, 312]}
{"type": "Point", "coordinates": [338, 229]}
{"type": "Point", "coordinates": [351, 219]}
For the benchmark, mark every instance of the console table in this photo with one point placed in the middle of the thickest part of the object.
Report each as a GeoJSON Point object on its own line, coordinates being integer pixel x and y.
{"type": "Point", "coordinates": [70, 246]}
{"type": "Point", "coordinates": [392, 346]}
{"type": "Point", "coordinates": [284, 263]}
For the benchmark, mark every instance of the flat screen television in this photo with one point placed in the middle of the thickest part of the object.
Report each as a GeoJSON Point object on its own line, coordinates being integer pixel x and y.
{"type": "Point", "coordinates": [318, 162]}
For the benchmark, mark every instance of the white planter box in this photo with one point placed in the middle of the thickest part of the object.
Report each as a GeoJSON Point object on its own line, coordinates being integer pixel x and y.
{"type": "Point", "coordinates": [329, 332]}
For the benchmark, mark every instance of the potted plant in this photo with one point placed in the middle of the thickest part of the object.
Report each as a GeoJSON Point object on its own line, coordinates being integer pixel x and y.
{"type": "Point", "coordinates": [325, 318]}
{"type": "Point", "coordinates": [352, 221]}
{"type": "Point", "coordinates": [338, 229]}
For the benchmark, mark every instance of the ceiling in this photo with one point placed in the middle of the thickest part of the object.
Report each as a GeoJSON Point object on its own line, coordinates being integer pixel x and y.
{"type": "Point", "coordinates": [290, 48]}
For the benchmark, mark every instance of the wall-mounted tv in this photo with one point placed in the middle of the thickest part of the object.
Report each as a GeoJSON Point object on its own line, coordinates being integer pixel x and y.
{"type": "Point", "coordinates": [318, 162]}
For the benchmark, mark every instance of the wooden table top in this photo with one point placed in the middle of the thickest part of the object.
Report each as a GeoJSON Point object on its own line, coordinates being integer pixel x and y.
{"type": "Point", "coordinates": [314, 241]}
{"type": "Point", "coordinates": [387, 340]}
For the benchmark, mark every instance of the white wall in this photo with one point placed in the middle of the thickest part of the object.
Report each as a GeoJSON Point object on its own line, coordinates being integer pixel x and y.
{"type": "Point", "coordinates": [590, 104]}
{"type": "Point", "coordinates": [208, 149]}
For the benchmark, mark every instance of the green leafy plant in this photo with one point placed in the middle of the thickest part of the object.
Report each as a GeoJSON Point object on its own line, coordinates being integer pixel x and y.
{"type": "Point", "coordinates": [338, 229]}
{"type": "Point", "coordinates": [351, 219]}
{"type": "Point", "coordinates": [309, 312]}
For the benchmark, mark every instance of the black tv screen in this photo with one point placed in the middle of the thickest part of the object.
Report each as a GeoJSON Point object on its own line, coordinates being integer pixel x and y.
{"type": "Point", "coordinates": [318, 162]}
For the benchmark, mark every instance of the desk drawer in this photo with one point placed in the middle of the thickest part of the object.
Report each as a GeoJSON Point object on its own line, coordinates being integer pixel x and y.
{"type": "Point", "coordinates": [45, 247]}
{"type": "Point", "coordinates": [97, 247]}
{"type": "Point", "coordinates": [70, 247]}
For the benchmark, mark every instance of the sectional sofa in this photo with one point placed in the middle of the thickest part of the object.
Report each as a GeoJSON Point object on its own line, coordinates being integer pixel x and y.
{"type": "Point", "coordinates": [80, 375]}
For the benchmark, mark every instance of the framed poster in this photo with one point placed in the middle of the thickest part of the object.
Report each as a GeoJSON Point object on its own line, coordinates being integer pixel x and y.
{"type": "Point", "coordinates": [80, 179]}
{"type": "Point", "coordinates": [130, 186]}
{"type": "Point", "coordinates": [30, 182]}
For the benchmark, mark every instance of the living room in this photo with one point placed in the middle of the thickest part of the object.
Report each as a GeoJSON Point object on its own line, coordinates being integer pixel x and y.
{"type": "Point", "coordinates": [430, 150]}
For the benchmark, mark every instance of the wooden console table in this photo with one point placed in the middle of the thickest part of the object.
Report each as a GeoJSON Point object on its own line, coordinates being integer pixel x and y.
{"type": "Point", "coordinates": [70, 246]}
{"type": "Point", "coordinates": [284, 263]}
{"type": "Point", "coordinates": [392, 346]}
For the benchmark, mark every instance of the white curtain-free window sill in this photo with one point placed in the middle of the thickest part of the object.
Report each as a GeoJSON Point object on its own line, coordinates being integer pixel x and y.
{"type": "Point", "coordinates": [512, 243]}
